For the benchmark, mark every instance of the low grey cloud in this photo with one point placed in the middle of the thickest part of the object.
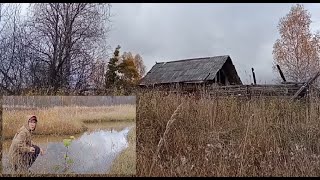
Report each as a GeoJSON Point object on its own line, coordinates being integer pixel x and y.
{"type": "Point", "coordinates": [166, 32]}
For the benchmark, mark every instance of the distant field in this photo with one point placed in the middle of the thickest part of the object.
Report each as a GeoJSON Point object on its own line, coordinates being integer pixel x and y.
{"type": "Point", "coordinates": [64, 120]}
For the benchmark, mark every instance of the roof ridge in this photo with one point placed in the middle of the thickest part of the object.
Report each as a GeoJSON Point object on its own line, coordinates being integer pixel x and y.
{"type": "Point", "coordinates": [191, 59]}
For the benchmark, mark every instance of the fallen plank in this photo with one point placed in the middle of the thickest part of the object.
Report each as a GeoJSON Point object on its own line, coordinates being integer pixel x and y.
{"type": "Point", "coordinates": [310, 81]}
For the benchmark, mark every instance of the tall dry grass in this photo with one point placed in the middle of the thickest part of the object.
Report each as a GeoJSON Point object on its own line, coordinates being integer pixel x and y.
{"type": "Point", "coordinates": [227, 136]}
{"type": "Point", "coordinates": [65, 120]}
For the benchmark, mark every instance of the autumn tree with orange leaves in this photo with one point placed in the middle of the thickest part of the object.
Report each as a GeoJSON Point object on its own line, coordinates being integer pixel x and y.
{"type": "Point", "coordinates": [137, 62]}
{"type": "Point", "coordinates": [297, 50]}
{"type": "Point", "coordinates": [124, 71]}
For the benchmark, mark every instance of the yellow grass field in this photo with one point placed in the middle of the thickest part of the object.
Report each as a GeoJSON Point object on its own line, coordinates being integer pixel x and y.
{"type": "Point", "coordinates": [65, 120]}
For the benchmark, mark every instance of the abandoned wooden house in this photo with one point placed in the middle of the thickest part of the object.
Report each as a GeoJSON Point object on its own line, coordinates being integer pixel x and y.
{"type": "Point", "coordinates": [192, 73]}
{"type": "Point", "coordinates": [217, 76]}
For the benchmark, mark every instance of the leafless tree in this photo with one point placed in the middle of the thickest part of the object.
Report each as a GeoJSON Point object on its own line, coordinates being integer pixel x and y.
{"type": "Point", "coordinates": [12, 52]}
{"type": "Point", "coordinates": [97, 77]}
{"type": "Point", "coordinates": [56, 48]}
{"type": "Point", "coordinates": [65, 38]}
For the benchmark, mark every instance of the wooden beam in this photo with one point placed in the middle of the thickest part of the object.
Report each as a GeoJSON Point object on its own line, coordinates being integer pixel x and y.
{"type": "Point", "coordinates": [305, 85]}
{"type": "Point", "coordinates": [254, 77]}
{"type": "Point", "coordinates": [281, 74]}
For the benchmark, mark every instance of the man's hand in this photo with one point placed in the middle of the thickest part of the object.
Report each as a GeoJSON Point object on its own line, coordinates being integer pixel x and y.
{"type": "Point", "coordinates": [42, 152]}
{"type": "Point", "coordinates": [32, 149]}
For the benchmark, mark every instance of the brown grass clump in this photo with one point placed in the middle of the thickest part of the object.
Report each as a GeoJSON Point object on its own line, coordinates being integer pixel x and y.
{"type": "Point", "coordinates": [163, 138]}
{"type": "Point", "coordinates": [227, 136]}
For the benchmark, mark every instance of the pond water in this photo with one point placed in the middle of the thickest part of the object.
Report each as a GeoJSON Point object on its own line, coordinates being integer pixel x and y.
{"type": "Point", "coordinates": [91, 152]}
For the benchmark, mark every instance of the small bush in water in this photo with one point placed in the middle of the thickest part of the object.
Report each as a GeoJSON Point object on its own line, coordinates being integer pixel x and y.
{"type": "Point", "coordinates": [67, 160]}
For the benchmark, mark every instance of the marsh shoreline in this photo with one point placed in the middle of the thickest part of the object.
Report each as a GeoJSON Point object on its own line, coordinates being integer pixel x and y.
{"type": "Point", "coordinates": [91, 128]}
{"type": "Point", "coordinates": [85, 127]}
{"type": "Point", "coordinates": [58, 121]}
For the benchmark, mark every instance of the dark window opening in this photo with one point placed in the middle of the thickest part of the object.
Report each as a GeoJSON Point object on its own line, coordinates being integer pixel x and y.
{"type": "Point", "coordinates": [221, 78]}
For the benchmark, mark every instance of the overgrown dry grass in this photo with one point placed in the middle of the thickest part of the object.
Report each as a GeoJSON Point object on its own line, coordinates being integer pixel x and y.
{"type": "Point", "coordinates": [125, 163]}
{"type": "Point", "coordinates": [228, 136]}
{"type": "Point", "coordinates": [65, 120]}
{"type": "Point", "coordinates": [120, 113]}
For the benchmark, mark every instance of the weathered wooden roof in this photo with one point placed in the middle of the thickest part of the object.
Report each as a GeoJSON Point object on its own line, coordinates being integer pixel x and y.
{"type": "Point", "coordinates": [188, 70]}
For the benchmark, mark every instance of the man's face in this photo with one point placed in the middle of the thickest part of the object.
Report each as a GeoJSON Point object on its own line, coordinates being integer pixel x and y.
{"type": "Point", "coordinates": [32, 125]}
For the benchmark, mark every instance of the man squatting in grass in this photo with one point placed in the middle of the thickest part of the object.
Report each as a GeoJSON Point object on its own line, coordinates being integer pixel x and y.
{"type": "Point", "coordinates": [23, 152]}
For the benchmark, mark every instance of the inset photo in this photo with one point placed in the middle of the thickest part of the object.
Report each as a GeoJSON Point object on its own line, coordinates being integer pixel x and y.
{"type": "Point", "coordinates": [69, 135]}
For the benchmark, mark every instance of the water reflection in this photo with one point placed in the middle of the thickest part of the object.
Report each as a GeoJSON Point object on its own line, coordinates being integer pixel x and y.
{"type": "Point", "coordinates": [92, 153]}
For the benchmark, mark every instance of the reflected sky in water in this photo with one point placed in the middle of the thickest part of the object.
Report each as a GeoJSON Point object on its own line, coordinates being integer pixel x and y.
{"type": "Point", "coordinates": [92, 153]}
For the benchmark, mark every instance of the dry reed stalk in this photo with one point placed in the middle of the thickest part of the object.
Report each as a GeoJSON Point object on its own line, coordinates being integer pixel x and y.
{"type": "Point", "coordinates": [162, 139]}
{"type": "Point", "coordinates": [244, 144]}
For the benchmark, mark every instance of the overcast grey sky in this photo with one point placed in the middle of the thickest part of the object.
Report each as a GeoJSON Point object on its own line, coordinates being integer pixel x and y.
{"type": "Point", "coordinates": [166, 32]}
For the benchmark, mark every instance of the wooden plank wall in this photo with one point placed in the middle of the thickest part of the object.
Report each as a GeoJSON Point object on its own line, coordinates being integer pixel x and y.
{"type": "Point", "coordinates": [283, 90]}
